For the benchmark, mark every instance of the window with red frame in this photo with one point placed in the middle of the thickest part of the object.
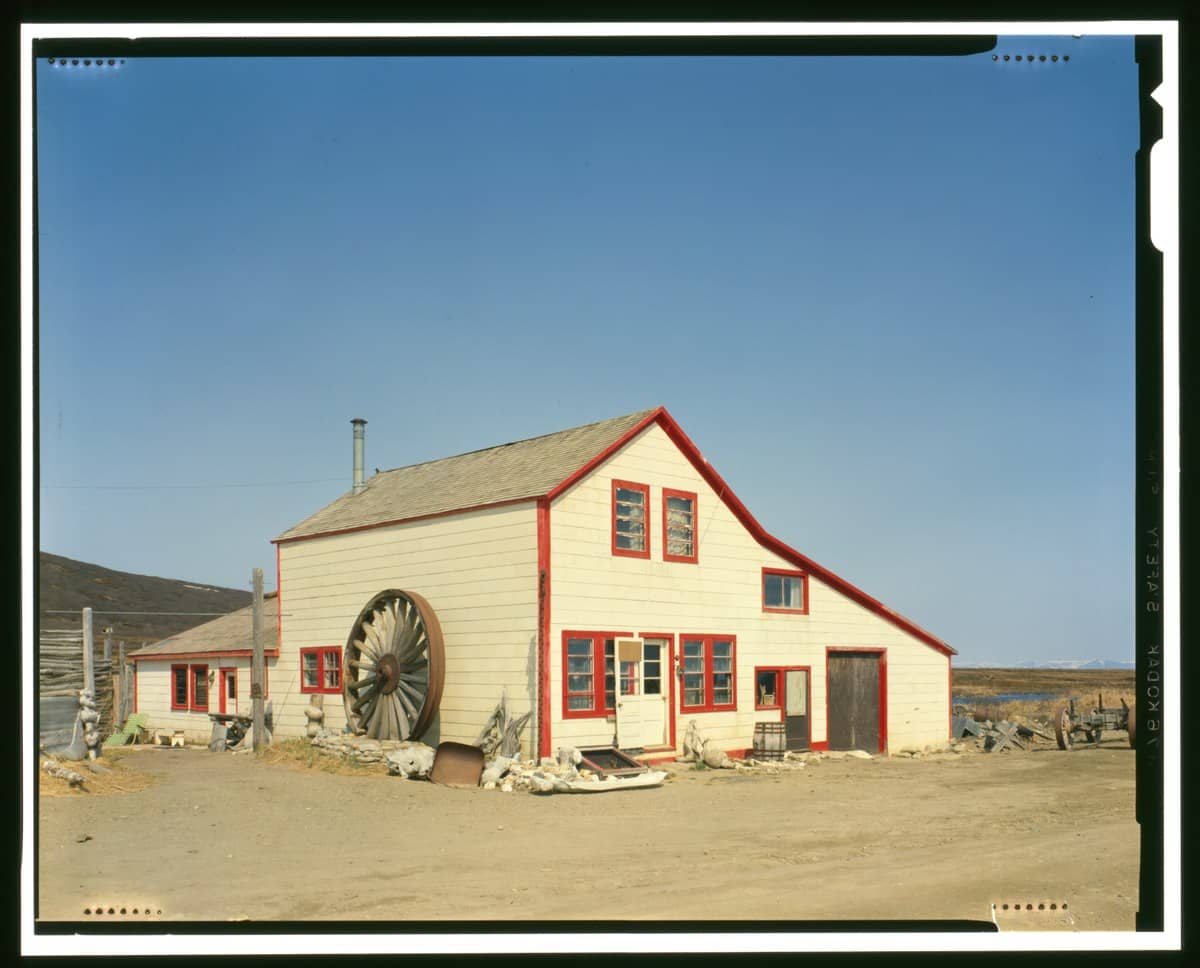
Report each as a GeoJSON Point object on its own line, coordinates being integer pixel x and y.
{"type": "Point", "coordinates": [709, 681]}
{"type": "Point", "coordinates": [766, 688]}
{"type": "Point", "coordinates": [784, 591]}
{"type": "Point", "coordinates": [589, 673]}
{"type": "Point", "coordinates": [179, 687]}
{"type": "Point", "coordinates": [199, 701]}
{"type": "Point", "coordinates": [189, 687]}
{"type": "Point", "coordinates": [679, 526]}
{"type": "Point", "coordinates": [631, 519]}
{"type": "Point", "coordinates": [321, 669]}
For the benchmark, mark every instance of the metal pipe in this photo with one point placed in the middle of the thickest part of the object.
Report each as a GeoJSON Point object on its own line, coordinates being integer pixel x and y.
{"type": "Point", "coordinates": [359, 435]}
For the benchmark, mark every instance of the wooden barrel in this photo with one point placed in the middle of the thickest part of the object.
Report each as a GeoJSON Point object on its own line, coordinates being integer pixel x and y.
{"type": "Point", "coordinates": [770, 741]}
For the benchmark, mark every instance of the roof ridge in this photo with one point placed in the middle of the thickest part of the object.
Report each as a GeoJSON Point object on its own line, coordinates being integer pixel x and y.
{"type": "Point", "coordinates": [522, 440]}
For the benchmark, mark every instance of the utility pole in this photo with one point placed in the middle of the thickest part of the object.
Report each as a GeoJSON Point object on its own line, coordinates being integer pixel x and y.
{"type": "Point", "coordinates": [258, 668]}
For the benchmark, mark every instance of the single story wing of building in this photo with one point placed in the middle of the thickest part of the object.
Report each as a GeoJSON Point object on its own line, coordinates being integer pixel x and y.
{"type": "Point", "coordinates": [607, 581]}
{"type": "Point", "coordinates": [179, 681]}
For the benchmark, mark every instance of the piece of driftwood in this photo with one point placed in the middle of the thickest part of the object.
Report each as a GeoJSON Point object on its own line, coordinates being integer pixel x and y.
{"type": "Point", "coordinates": [60, 771]}
{"type": "Point", "coordinates": [501, 734]}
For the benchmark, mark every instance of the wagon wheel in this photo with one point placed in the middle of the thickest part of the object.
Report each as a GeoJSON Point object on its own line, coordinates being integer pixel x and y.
{"type": "Point", "coordinates": [1062, 728]}
{"type": "Point", "coordinates": [1132, 730]}
{"type": "Point", "coordinates": [394, 667]}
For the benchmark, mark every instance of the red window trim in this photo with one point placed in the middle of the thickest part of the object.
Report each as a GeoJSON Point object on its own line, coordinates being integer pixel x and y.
{"type": "Point", "coordinates": [645, 491]}
{"type": "Point", "coordinates": [321, 688]}
{"type": "Point", "coordinates": [193, 670]}
{"type": "Point", "coordinates": [709, 706]}
{"type": "Point", "coordinates": [786, 573]}
{"type": "Point", "coordinates": [599, 708]}
{"type": "Point", "coordinates": [778, 704]}
{"type": "Point", "coordinates": [187, 681]}
{"type": "Point", "coordinates": [694, 557]}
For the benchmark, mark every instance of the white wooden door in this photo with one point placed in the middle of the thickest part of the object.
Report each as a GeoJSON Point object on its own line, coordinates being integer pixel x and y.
{"type": "Point", "coordinates": [629, 693]}
{"type": "Point", "coordinates": [655, 692]}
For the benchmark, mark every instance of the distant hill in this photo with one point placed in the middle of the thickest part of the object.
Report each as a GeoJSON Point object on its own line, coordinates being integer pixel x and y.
{"type": "Point", "coordinates": [68, 585]}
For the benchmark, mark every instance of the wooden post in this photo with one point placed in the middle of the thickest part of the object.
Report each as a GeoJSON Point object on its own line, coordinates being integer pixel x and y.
{"type": "Point", "coordinates": [258, 668]}
{"type": "Point", "coordinates": [89, 653]}
{"type": "Point", "coordinates": [108, 645]}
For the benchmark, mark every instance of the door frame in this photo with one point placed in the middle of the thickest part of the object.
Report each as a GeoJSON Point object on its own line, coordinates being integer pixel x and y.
{"type": "Point", "coordinates": [668, 674]}
{"type": "Point", "coordinates": [222, 676]}
{"type": "Point", "coordinates": [881, 653]}
{"type": "Point", "coordinates": [781, 687]}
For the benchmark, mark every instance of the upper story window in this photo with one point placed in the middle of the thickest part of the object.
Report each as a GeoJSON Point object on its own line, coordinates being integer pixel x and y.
{"type": "Point", "coordinates": [631, 519]}
{"type": "Point", "coordinates": [679, 525]}
{"type": "Point", "coordinates": [784, 591]}
{"type": "Point", "coordinates": [321, 669]}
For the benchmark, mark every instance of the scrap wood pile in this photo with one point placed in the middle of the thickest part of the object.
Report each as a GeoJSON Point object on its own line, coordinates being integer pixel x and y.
{"type": "Point", "coordinates": [975, 732]}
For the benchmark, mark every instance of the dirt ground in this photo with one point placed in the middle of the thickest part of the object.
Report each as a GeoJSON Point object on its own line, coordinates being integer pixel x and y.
{"type": "Point", "coordinates": [216, 836]}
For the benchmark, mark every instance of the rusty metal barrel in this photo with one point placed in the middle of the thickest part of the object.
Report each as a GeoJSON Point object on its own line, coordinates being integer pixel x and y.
{"type": "Point", "coordinates": [770, 741]}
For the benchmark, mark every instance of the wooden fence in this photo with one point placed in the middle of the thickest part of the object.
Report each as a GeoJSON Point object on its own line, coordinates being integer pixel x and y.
{"type": "Point", "coordinates": [61, 676]}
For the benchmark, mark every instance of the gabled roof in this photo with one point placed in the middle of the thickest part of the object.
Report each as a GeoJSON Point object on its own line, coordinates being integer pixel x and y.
{"type": "Point", "coordinates": [231, 634]}
{"type": "Point", "coordinates": [543, 468]}
{"type": "Point", "coordinates": [521, 470]}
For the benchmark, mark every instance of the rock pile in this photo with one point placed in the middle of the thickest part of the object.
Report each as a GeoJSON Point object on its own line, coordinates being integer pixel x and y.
{"type": "Point", "coordinates": [409, 757]}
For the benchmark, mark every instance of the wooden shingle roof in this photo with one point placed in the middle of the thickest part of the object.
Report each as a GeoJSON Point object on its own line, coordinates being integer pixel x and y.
{"type": "Point", "coordinates": [523, 469]}
{"type": "Point", "coordinates": [232, 633]}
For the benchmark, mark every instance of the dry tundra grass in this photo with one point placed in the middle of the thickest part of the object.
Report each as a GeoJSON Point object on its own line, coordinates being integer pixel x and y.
{"type": "Point", "coordinates": [300, 753]}
{"type": "Point", "coordinates": [108, 777]}
{"type": "Point", "coordinates": [1085, 685]}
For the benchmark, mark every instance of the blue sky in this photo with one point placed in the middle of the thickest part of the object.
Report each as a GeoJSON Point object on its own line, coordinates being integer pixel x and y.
{"type": "Point", "coordinates": [891, 299]}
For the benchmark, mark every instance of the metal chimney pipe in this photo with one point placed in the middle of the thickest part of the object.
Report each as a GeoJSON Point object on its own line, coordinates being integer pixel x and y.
{"type": "Point", "coordinates": [359, 434]}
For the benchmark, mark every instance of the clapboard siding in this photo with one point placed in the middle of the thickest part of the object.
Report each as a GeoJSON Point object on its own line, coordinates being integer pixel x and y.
{"type": "Point", "coordinates": [592, 589]}
{"type": "Point", "coordinates": [154, 695]}
{"type": "Point", "coordinates": [478, 571]}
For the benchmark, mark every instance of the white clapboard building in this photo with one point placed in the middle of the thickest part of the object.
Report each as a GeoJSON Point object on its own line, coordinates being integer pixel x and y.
{"type": "Point", "coordinates": [180, 680]}
{"type": "Point", "coordinates": [608, 581]}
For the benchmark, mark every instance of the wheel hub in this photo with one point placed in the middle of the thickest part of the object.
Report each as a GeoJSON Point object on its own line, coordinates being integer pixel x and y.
{"type": "Point", "coordinates": [388, 671]}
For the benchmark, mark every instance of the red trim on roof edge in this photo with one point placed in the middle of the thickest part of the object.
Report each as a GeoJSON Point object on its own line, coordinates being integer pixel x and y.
{"type": "Point", "coordinates": [742, 513]}
{"type": "Point", "coordinates": [608, 452]}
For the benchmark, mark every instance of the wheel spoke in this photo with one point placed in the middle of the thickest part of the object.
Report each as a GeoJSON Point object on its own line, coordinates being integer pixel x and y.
{"type": "Point", "coordinates": [403, 721]}
{"type": "Point", "coordinates": [356, 684]}
{"type": "Point", "coordinates": [365, 646]}
{"type": "Point", "coordinates": [411, 692]}
{"type": "Point", "coordinates": [411, 711]}
{"type": "Point", "coordinates": [362, 666]}
{"type": "Point", "coordinates": [363, 701]}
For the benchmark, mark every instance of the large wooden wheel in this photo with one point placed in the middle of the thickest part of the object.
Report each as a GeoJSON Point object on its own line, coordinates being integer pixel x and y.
{"type": "Point", "coordinates": [394, 667]}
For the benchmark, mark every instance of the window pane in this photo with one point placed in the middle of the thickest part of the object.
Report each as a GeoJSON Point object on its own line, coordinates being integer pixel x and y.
{"type": "Point", "coordinates": [578, 683]}
{"type": "Point", "coordinates": [766, 688]}
{"type": "Point", "coordinates": [181, 687]}
{"type": "Point", "coordinates": [579, 647]}
{"type": "Point", "coordinates": [200, 686]}
{"type": "Point", "coordinates": [722, 665]}
{"type": "Point", "coordinates": [653, 687]}
{"type": "Point", "coordinates": [722, 649]}
{"type": "Point", "coordinates": [693, 663]}
{"type": "Point", "coordinates": [773, 591]}
{"type": "Point", "coordinates": [693, 647]}
{"type": "Point", "coordinates": [579, 664]}
{"type": "Point", "coordinates": [579, 702]}
{"type": "Point", "coordinates": [651, 670]}
{"type": "Point", "coordinates": [681, 504]}
{"type": "Point", "coordinates": [627, 496]}
{"type": "Point", "coordinates": [652, 651]}
{"type": "Point", "coordinates": [333, 677]}
{"type": "Point", "coordinates": [793, 588]}
{"type": "Point", "coordinates": [231, 687]}
{"type": "Point", "coordinates": [310, 678]}
{"type": "Point", "coordinates": [309, 659]}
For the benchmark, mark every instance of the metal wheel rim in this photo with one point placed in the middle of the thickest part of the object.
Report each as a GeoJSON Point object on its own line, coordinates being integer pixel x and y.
{"type": "Point", "coordinates": [393, 667]}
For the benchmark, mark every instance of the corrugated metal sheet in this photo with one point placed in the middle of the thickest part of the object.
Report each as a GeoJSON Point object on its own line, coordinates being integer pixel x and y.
{"type": "Point", "coordinates": [515, 471]}
{"type": "Point", "coordinates": [229, 633]}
